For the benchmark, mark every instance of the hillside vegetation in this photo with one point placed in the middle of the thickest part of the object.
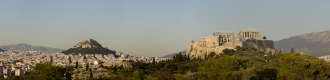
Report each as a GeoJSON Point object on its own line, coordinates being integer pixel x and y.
{"type": "Point", "coordinates": [84, 51]}
{"type": "Point", "coordinates": [241, 64]}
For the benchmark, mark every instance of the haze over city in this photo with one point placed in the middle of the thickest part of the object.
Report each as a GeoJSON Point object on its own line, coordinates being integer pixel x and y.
{"type": "Point", "coordinates": [152, 28]}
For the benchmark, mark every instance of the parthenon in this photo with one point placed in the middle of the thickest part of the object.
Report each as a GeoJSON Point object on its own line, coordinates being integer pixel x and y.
{"type": "Point", "coordinates": [249, 33]}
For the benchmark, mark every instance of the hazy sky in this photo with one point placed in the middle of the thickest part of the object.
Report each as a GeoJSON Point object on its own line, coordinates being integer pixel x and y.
{"type": "Point", "coordinates": [153, 27]}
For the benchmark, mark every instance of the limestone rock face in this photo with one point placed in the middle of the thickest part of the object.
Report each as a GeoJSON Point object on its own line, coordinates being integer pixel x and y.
{"type": "Point", "coordinates": [90, 43]}
{"type": "Point", "coordinates": [196, 49]}
{"type": "Point", "coordinates": [200, 49]}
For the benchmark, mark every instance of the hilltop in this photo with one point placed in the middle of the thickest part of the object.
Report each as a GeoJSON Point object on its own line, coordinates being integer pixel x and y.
{"type": "Point", "coordinates": [315, 43]}
{"type": "Point", "coordinates": [89, 46]}
{"type": "Point", "coordinates": [27, 47]}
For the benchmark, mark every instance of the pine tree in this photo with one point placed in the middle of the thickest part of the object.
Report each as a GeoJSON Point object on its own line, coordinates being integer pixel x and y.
{"type": "Point", "coordinates": [153, 60]}
{"type": "Point", "coordinates": [115, 69]}
{"type": "Point", "coordinates": [87, 66]}
{"type": "Point", "coordinates": [68, 75]}
{"type": "Point", "coordinates": [51, 59]}
{"type": "Point", "coordinates": [292, 50]}
{"type": "Point", "coordinates": [90, 73]}
{"type": "Point", "coordinates": [77, 65]}
{"type": "Point", "coordinates": [70, 61]}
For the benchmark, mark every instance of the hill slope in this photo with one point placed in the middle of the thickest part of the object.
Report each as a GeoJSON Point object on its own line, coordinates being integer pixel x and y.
{"type": "Point", "coordinates": [316, 43]}
{"type": "Point", "coordinates": [26, 47]}
{"type": "Point", "coordinates": [171, 55]}
{"type": "Point", "coordinates": [89, 46]}
{"type": "Point", "coordinates": [1, 50]}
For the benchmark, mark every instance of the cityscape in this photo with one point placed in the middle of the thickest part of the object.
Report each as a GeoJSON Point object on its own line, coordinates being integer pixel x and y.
{"type": "Point", "coordinates": [164, 40]}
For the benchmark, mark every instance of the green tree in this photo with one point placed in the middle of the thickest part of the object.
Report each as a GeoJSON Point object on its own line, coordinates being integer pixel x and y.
{"type": "Point", "coordinates": [125, 72]}
{"type": "Point", "coordinates": [223, 68]}
{"type": "Point", "coordinates": [77, 65]}
{"type": "Point", "coordinates": [292, 50]}
{"type": "Point", "coordinates": [91, 73]}
{"type": "Point", "coordinates": [301, 67]}
{"type": "Point", "coordinates": [153, 60]}
{"type": "Point", "coordinates": [212, 54]}
{"type": "Point", "coordinates": [87, 66]}
{"type": "Point", "coordinates": [46, 71]}
{"type": "Point", "coordinates": [229, 52]}
{"type": "Point", "coordinates": [138, 74]}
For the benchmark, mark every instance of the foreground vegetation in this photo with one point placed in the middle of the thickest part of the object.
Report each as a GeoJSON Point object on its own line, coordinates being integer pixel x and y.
{"type": "Point", "coordinates": [241, 64]}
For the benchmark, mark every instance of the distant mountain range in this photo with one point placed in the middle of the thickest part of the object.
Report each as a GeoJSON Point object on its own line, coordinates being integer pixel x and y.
{"type": "Point", "coordinates": [26, 47]}
{"type": "Point", "coordinates": [171, 55]}
{"type": "Point", "coordinates": [315, 43]}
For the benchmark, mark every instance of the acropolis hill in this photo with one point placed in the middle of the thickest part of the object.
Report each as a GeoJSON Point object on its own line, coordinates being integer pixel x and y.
{"type": "Point", "coordinates": [219, 41]}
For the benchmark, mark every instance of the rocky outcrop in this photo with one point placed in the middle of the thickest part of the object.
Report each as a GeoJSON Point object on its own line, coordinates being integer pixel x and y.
{"type": "Point", "coordinates": [196, 49]}
{"type": "Point", "coordinates": [90, 43]}
{"type": "Point", "coordinates": [200, 49]}
{"type": "Point", "coordinates": [89, 46]}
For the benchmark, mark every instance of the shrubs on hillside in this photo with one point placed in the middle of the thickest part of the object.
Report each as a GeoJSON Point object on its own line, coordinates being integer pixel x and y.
{"type": "Point", "coordinates": [88, 51]}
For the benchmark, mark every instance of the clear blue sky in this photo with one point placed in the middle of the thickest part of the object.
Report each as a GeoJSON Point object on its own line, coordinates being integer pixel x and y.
{"type": "Point", "coordinates": [153, 27]}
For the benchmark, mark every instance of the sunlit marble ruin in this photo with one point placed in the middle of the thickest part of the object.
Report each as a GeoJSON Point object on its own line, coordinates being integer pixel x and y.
{"type": "Point", "coordinates": [221, 40]}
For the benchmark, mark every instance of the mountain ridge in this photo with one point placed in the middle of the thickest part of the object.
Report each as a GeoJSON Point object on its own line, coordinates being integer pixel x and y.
{"type": "Point", "coordinates": [314, 43]}
{"type": "Point", "coordinates": [27, 47]}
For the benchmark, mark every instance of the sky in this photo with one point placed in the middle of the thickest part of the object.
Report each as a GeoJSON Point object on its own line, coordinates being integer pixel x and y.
{"type": "Point", "coordinates": [153, 27]}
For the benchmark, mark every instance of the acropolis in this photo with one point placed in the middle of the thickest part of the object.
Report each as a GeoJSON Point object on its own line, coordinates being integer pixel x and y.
{"type": "Point", "coordinates": [221, 40]}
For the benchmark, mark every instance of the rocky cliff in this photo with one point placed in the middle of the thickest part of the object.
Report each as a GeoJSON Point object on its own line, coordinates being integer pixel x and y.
{"type": "Point", "coordinates": [200, 49]}
{"type": "Point", "coordinates": [90, 43]}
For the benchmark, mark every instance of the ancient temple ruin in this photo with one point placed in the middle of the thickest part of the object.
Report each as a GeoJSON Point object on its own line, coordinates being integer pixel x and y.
{"type": "Point", "coordinates": [249, 33]}
{"type": "Point", "coordinates": [221, 40]}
